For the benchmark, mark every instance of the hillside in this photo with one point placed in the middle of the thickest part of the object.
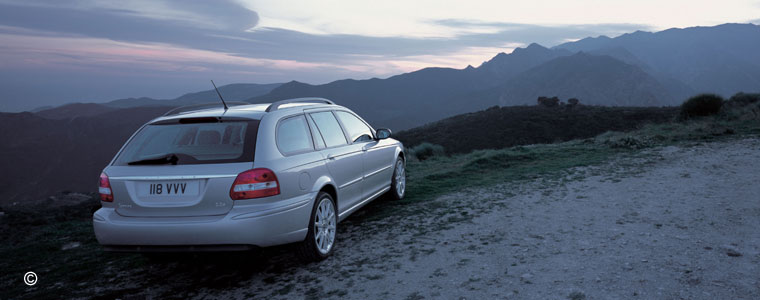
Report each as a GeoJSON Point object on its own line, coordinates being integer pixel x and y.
{"type": "Point", "coordinates": [415, 98]}
{"type": "Point", "coordinates": [48, 156]}
{"type": "Point", "coordinates": [501, 127]}
{"type": "Point", "coordinates": [597, 80]}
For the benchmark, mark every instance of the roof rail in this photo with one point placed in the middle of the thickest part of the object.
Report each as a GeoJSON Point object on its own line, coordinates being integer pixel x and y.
{"type": "Point", "coordinates": [276, 105]}
{"type": "Point", "coordinates": [194, 107]}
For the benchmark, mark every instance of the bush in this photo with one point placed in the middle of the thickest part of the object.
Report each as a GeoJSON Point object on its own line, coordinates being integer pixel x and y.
{"type": "Point", "coordinates": [426, 150]}
{"type": "Point", "coordinates": [701, 105]}
{"type": "Point", "coordinates": [741, 99]}
{"type": "Point", "coordinates": [548, 102]}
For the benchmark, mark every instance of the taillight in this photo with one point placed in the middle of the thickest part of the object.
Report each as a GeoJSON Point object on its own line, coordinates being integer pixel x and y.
{"type": "Point", "coordinates": [104, 188]}
{"type": "Point", "coordinates": [255, 183]}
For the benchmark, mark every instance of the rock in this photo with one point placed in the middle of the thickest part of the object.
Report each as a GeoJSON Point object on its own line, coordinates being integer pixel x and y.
{"type": "Point", "coordinates": [733, 253]}
{"type": "Point", "coordinates": [71, 245]}
{"type": "Point", "coordinates": [627, 267]}
{"type": "Point", "coordinates": [731, 250]}
{"type": "Point", "coordinates": [525, 278]}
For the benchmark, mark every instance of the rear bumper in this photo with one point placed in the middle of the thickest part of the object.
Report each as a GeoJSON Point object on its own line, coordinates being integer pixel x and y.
{"type": "Point", "coordinates": [242, 227]}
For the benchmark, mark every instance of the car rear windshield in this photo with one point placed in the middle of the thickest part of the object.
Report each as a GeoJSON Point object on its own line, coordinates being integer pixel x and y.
{"type": "Point", "coordinates": [179, 143]}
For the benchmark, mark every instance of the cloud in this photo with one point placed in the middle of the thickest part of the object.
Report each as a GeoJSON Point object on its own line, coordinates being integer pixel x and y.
{"type": "Point", "coordinates": [194, 13]}
{"type": "Point", "coordinates": [401, 18]}
{"type": "Point", "coordinates": [276, 43]}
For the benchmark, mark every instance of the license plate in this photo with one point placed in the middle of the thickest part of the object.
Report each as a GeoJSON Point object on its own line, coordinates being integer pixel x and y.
{"type": "Point", "coordinates": [168, 188]}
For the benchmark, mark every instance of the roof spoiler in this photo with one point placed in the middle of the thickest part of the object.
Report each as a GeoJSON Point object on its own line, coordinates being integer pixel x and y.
{"type": "Point", "coordinates": [276, 105]}
{"type": "Point", "coordinates": [194, 107]}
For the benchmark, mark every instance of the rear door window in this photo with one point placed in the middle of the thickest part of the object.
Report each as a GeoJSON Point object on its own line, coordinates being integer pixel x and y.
{"type": "Point", "coordinates": [329, 128]}
{"type": "Point", "coordinates": [357, 130]}
{"type": "Point", "coordinates": [195, 143]}
{"type": "Point", "coordinates": [293, 135]}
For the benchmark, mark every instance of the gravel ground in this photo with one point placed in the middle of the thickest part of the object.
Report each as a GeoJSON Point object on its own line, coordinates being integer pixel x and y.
{"type": "Point", "coordinates": [667, 223]}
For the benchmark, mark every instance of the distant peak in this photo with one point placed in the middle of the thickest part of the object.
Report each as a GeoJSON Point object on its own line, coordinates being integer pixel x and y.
{"type": "Point", "coordinates": [598, 38]}
{"type": "Point", "coordinates": [533, 46]}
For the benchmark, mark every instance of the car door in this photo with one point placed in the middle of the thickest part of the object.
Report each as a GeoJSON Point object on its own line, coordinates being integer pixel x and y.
{"type": "Point", "coordinates": [344, 160]}
{"type": "Point", "coordinates": [378, 155]}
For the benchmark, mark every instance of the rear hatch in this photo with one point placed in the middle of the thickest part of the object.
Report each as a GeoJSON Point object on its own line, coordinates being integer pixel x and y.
{"type": "Point", "coordinates": [182, 167]}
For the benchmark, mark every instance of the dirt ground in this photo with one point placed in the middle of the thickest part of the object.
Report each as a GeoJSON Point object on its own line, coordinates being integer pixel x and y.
{"type": "Point", "coordinates": [667, 223]}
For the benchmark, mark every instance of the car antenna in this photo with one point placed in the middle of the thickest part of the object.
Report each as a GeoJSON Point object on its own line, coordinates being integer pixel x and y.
{"type": "Point", "coordinates": [220, 96]}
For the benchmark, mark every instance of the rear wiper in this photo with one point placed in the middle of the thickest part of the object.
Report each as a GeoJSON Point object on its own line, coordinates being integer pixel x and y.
{"type": "Point", "coordinates": [170, 158]}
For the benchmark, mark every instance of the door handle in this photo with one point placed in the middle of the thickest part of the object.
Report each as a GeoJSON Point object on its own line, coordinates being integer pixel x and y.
{"type": "Point", "coordinates": [330, 157]}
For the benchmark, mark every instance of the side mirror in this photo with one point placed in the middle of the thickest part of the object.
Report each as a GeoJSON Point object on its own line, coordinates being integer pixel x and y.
{"type": "Point", "coordinates": [382, 133]}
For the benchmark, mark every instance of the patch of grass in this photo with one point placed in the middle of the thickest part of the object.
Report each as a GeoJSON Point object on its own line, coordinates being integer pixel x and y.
{"type": "Point", "coordinates": [442, 175]}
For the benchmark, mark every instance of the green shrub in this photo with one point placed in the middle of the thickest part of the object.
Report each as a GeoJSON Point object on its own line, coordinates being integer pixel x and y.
{"type": "Point", "coordinates": [701, 105]}
{"type": "Point", "coordinates": [426, 150]}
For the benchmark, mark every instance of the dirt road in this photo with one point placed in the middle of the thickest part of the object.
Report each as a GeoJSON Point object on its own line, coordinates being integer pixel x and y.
{"type": "Point", "coordinates": [668, 223]}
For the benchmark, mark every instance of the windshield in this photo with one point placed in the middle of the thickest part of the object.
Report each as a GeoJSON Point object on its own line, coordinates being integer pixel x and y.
{"type": "Point", "coordinates": [197, 143]}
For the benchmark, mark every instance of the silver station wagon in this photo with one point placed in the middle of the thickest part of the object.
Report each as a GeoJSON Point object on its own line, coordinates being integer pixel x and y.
{"type": "Point", "coordinates": [254, 175]}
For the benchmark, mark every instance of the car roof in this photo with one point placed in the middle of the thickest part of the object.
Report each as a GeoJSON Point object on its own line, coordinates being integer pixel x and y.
{"type": "Point", "coordinates": [240, 110]}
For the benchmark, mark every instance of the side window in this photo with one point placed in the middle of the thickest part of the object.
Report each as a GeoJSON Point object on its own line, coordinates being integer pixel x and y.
{"type": "Point", "coordinates": [293, 135]}
{"type": "Point", "coordinates": [329, 128]}
{"type": "Point", "coordinates": [319, 142]}
{"type": "Point", "coordinates": [357, 130]}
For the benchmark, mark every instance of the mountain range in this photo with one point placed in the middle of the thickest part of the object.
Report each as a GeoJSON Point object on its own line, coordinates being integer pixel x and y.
{"type": "Point", "coordinates": [635, 69]}
{"type": "Point", "coordinates": [231, 92]}
{"type": "Point", "coordinates": [65, 147]}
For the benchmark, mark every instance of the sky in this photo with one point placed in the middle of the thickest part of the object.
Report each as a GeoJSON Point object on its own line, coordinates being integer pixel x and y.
{"type": "Point", "coordinates": [62, 51]}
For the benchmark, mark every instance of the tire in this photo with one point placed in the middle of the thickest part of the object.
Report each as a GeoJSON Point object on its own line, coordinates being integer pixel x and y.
{"type": "Point", "coordinates": [318, 246]}
{"type": "Point", "coordinates": [397, 190]}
